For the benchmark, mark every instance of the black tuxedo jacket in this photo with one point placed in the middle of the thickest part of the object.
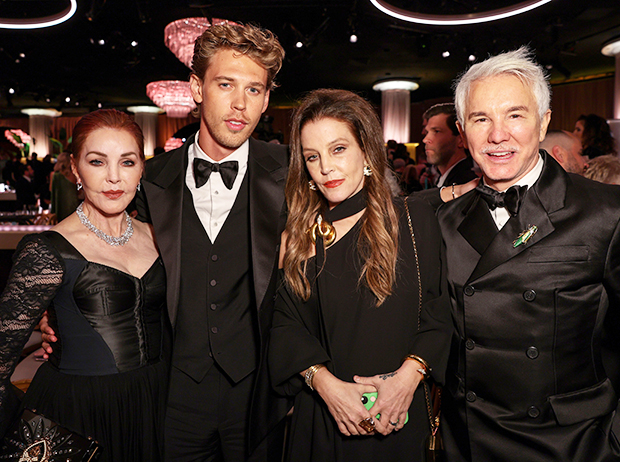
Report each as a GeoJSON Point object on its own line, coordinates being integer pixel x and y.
{"type": "Point", "coordinates": [160, 203]}
{"type": "Point", "coordinates": [461, 173]}
{"type": "Point", "coordinates": [526, 379]}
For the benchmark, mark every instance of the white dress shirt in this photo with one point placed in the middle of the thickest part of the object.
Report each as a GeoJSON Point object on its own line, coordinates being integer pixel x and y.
{"type": "Point", "coordinates": [213, 201]}
{"type": "Point", "coordinates": [500, 214]}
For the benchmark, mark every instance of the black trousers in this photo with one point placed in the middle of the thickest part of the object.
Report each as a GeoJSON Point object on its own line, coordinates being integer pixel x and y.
{"type": "Point", "coordinates": [208, 421]}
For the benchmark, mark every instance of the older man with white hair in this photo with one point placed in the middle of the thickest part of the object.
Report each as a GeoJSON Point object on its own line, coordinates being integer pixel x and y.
{"type": "Point", "coordinates": [534, 276]}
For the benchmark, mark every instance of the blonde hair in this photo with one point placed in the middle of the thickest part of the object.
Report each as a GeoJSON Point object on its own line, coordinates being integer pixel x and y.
{"type": "Point", "coordinates": [378, 239]}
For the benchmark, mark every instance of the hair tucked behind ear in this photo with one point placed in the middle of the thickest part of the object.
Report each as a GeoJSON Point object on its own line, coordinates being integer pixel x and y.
{"type": "Point", "coordinates": [378, 239]}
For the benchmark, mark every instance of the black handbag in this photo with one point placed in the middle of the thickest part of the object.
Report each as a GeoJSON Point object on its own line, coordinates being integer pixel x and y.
{"type": "Point", "coordinates": [35, 438]}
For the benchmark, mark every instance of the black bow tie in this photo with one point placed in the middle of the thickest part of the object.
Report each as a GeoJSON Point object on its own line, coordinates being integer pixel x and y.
{"type": "Point", "coordinates": [510, 200]}
{"type": "Point", "coordinates": [204, 168]}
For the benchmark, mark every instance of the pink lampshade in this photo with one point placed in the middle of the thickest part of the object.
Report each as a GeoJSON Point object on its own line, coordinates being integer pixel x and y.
{"type": "Point", "coordinates": [173, 96]}
{"type": "Point", "coordinates": [180, 35]}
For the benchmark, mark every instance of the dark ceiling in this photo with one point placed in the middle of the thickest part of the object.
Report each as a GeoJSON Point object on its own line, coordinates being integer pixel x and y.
{"type": "Point", "coordinates": [67, 60]}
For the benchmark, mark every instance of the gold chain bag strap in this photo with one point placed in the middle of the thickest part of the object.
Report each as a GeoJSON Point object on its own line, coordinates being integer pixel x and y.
{"type": "Point", "coordinates": [434, 443]}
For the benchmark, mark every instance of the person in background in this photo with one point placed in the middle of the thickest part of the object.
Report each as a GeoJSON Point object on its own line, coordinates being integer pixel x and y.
{"type": "Point", "coordinates": [595, 136]}
{"type": "Point", "coordinates": [63, 186]}
{"type": "Point", "coordinates": [25, 188]}
{"type": "Point", "coordinates": [99, 275]}
{"type": "Point", "coordinates": [362, 309]}
{"type": "Point", "coordinates": [444, 147]}
{"type": "Point", "coordinates": [566, 149]}
{"type": "Point", "coordinates": [605, 169]}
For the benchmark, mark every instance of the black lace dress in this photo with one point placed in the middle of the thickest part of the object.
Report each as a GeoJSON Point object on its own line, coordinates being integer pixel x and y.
{"type": "Point", "coordinates": [107, 376]}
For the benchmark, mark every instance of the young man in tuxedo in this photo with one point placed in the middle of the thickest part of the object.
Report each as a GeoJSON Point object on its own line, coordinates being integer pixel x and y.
{"type": "Point", "coordinates": [217, 208]}
{"type": "Point", "coordinates": [534, 276]}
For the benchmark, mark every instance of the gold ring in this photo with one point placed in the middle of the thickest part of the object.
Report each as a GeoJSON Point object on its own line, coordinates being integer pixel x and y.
{"type": "Point", "coordinates": [368, 425]}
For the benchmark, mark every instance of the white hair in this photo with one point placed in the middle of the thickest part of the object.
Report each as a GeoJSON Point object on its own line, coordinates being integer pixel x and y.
{"type": "Point", "coordinates": [519, 63]}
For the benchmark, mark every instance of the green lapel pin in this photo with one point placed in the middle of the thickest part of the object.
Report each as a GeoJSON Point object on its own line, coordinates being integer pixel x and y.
{"type": "Point", "coordinates": [525, 236]}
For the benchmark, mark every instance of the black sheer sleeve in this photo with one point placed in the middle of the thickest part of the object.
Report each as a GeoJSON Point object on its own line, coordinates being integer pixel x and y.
{"type": "Point", "coordinates": [36, 275]}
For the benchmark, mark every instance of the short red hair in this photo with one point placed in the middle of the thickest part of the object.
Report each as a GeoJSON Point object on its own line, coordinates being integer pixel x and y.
{"type": "Point", "coordinates": [105, 118]}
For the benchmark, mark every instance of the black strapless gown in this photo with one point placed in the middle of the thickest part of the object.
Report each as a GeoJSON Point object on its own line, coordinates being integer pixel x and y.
{"type": "Point", "coordinates": [107, 377]}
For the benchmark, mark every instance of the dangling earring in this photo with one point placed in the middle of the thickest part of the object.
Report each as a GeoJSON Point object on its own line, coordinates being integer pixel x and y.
{"type": "Point", "coordinates": [312, 185]}
{"type": "Point", "coordinates": [138, 187]}
{"type": "Point", "coordinates": [367, 170]}
{"type": "Point", "coordinates": [79, 186]}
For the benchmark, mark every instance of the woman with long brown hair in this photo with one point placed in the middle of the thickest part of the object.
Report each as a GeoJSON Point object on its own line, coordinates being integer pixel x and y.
{"type": "Point", "coordinates": [362, 316]}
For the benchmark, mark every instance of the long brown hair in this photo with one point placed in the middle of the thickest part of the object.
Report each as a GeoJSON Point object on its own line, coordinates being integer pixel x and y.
{"type": "Point", "coordinates": [378, 239]}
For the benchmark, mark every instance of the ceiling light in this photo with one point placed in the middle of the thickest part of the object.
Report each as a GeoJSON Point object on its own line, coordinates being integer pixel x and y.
{"type": "Point", "coordinates": [38, 23]}
{"type": "Point", "coordinates": [299, 44]}
{"type": "Point", "coordinates": [611, 47]}
{"type": "Point", "coordinates": [446, 54]}
{"type": "Point", "coordinates": [41, 112]}
{"type": "Point", "coordinates": [173, 96]}
{"type": "Point", "coordinates": [457, 19]}
{"type": "Point", "coordinates": [353, 38]}
{"type": "Point", "coordinates": [134, 44]}
{"type": "Point", "coordinates": [11, 91]}
{"type": "Point", "coordinates": [145, 109]}
{"type": "Point", "coordinates": [471, 58]}
{"type": "Point", "coordinates": [180, 35]}
{"type": "Point", "coordinates": [101, 42]}
{"type": "Point", "coordinates": [68, 99]}
{"type": "Point", "coordinates": [22, 55]}
{"type": "Point", "coordinates": [395, 84]}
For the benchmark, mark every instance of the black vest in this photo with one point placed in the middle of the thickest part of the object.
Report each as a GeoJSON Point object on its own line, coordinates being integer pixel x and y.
{"type": "Point", "coordinates": [217, 308]}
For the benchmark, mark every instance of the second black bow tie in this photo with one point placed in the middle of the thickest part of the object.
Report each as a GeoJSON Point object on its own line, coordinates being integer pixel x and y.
{"type": "Point", "coordinates": [510, 200]}
{"type": "Point", "coordinates": [204, 168]}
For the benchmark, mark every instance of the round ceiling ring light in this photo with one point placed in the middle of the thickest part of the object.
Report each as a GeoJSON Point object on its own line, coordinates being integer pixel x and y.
{"type": "Point", "coordinates": [457, 19]}
{"type": "Point", "coordinates": [39, 23]}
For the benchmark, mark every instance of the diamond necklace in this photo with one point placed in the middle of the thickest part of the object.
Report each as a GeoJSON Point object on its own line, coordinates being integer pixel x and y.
{"type": "Point", "coordinates": [111, 240]}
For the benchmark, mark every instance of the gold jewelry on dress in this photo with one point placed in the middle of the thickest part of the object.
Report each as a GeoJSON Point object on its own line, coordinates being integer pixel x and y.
{"type": "Point", "coordinates": [309, 376]}
{"type": "Point", "coordinates": [368, 425]}
{"type": "Point", "coordinates": [424, 370]}
{"type": "Point", "coordinates": [324, 229]}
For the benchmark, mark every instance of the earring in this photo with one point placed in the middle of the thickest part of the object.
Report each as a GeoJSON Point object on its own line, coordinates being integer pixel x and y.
{"type": "Point", "coordinates": [367, 170]}
{"type": "Point", "coordinates": [312, 185]}
{"type": "Point", "coordinates": [79, 186]}
{"type": "Point", "coordinates": [138, 187]}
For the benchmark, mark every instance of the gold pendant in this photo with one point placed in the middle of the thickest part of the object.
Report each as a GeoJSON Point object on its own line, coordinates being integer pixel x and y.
{"type": "Point", "coordinates": [324, 229]}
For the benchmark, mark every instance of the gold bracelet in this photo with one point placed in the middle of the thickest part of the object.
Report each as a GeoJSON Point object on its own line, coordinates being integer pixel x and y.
{"type": "Point", "coordinates": [424, 370]}
{"type": "Point", "coordinates": [309, 376]}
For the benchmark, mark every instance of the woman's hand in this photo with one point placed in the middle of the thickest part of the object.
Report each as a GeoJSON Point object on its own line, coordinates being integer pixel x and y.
{"type": "Point", "coordinates": [452, 192]}
{"type": "Point", "coordinates": [344, 401]}
{"type": "Point", "coordinates": [394, 395]}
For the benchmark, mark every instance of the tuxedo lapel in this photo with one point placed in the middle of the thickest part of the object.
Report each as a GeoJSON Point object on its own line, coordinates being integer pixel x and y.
{"type": "Point", "coordinates": [544, 198]}
{"type": "Point", "coordinates": [164, 193]}
{"type": "Point", "coordinates": [267, 177]}
{"type": "Point", "coordinates": [478, 227]}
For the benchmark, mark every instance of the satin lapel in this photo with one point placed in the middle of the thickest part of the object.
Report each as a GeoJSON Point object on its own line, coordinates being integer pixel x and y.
{"type": "Point", "coordinates": [165, 198]}
{"type": "Point", "coordinates": [267, 218]}
{"type": "Point", "coordinates": [478, 227]}
{"type": "Point", "coordinates": [544, 198]}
